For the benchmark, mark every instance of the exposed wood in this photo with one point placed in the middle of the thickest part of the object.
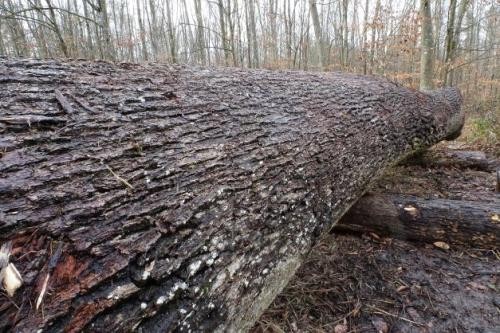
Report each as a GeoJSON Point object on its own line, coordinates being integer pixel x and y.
{"type": "Point", "coordinates": [233, 174]}
{"type": "Point", "coordinates": [473, 223]}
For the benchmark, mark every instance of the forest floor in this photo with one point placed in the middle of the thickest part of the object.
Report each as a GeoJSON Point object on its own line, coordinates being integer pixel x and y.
{"type": "Point", "coordinates": [368, 283]}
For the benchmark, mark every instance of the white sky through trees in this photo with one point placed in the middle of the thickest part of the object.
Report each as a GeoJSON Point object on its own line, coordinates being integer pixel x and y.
{"type": "Point", "coordinates": [376, 36]}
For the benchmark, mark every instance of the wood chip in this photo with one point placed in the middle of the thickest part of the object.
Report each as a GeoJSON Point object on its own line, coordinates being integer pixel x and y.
{"type": "Point", "coordinates": [442, 245]}
{"type": "Point", "coordinates": [12, 279]}
{"type": "Point", "coordinates": [411, 210]}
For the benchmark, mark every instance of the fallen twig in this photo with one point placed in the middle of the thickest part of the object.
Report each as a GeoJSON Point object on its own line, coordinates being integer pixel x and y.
{"type": "Point", "coordinates": [382, 312]}
{"type": "Point", "coordinates": [52, 264]}
{"type": "Point", "coordinates": [64, 102]}
{"type": "Point", "coordinates": [83, 104]}
{"type": "Point", "coordinates": [121, 179]}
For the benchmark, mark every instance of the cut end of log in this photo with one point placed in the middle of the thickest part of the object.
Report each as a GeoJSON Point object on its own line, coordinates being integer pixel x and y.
{"type": "Point", "coordinates": [456, 122]}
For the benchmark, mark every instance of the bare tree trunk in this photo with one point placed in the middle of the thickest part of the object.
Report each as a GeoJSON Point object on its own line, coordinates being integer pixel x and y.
{"type": "Point", "coordinates": [345, 34]}
{"type": "Point", "coordinates": [365, 38]}
{"type": "Point", "coordinates": [57, 29]}
{"type": "Point", "coordinates": [162, 198]}
{"type": "Point", "coordinates": [318, 33]}
{"type": "Point", "coordinates": [142, 33]}
{"type": "Point", "coordinates": [249, 35]}
{"type": "Point", "coordinates": [200, 39]}
{"type": "Point", "coordinates": [427, 42]}
{"type": "Point", "coordinates": [354, 29]}
{"type": "Point", "coordinates": [238, 18]}
{"type": "Point", "coordinates": [96, 34]}
{"type": "Point", "coordinates": [41, 32]}
{"type": "Point", "coordinates": [223, 33]}
{"type": "Point", "coordinates": [68, 27]}
{"type": "Point", "coordinates": [172, 40]}
{"type": "Point", "coordinates": [288, 31]}
{"type": "Point", "coordinates": [153, 29]}
{"type": "Point", "coordinates": [131, 51]}
{"type": "Point", "coordinates": [188, 40]}
{"type": "Point", "coordinates": [15, 27]}
{"type": "Point", "coordinates": [230, 21]}
{"type": "Point", "coordinates": [89, 50]}
{"type": "Point", "coordinates": [449, 41]}
{"type": "Point", "coordinates": [273, 13]}
{"type": "Point", "coordinates": [454, 40]}
{"type": "Point", "coordinates": [438, 18]}
{"type": "Point", "coordinates": [106, 30]}
{"type": "Point", "coordinates": [305, 42]}
{"type": "Point", "coordinates": [373, 46]}
{"type": "Point", "coordinates": [253, 34]}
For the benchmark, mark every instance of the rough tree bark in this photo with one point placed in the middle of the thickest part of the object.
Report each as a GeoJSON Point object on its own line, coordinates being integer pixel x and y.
{"type": "Point", "coordinates": [165, 198]}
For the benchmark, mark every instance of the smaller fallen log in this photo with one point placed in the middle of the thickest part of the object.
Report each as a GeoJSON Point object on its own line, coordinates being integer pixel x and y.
{"type": "Point", "coordinates": [462, 159]}
{"type": "Point", "coordinates": [426, 220]}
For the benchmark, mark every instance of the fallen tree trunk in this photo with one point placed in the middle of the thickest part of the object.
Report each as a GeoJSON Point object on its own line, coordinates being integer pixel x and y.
{"type": "Point", "coordinates": [165, 198]}
{"type": "Point", "coordinates": [408, 217]}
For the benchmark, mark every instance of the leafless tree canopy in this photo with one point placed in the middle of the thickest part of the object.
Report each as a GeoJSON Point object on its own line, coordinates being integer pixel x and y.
{"type": "Point", "coordinates": [456, 41]}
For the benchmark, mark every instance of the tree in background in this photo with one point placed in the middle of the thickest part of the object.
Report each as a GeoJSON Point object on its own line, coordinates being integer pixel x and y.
{"type": "Point", "coordinates": [402, 40]}
{"type": "Point", "coordinates": [427, 43]}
